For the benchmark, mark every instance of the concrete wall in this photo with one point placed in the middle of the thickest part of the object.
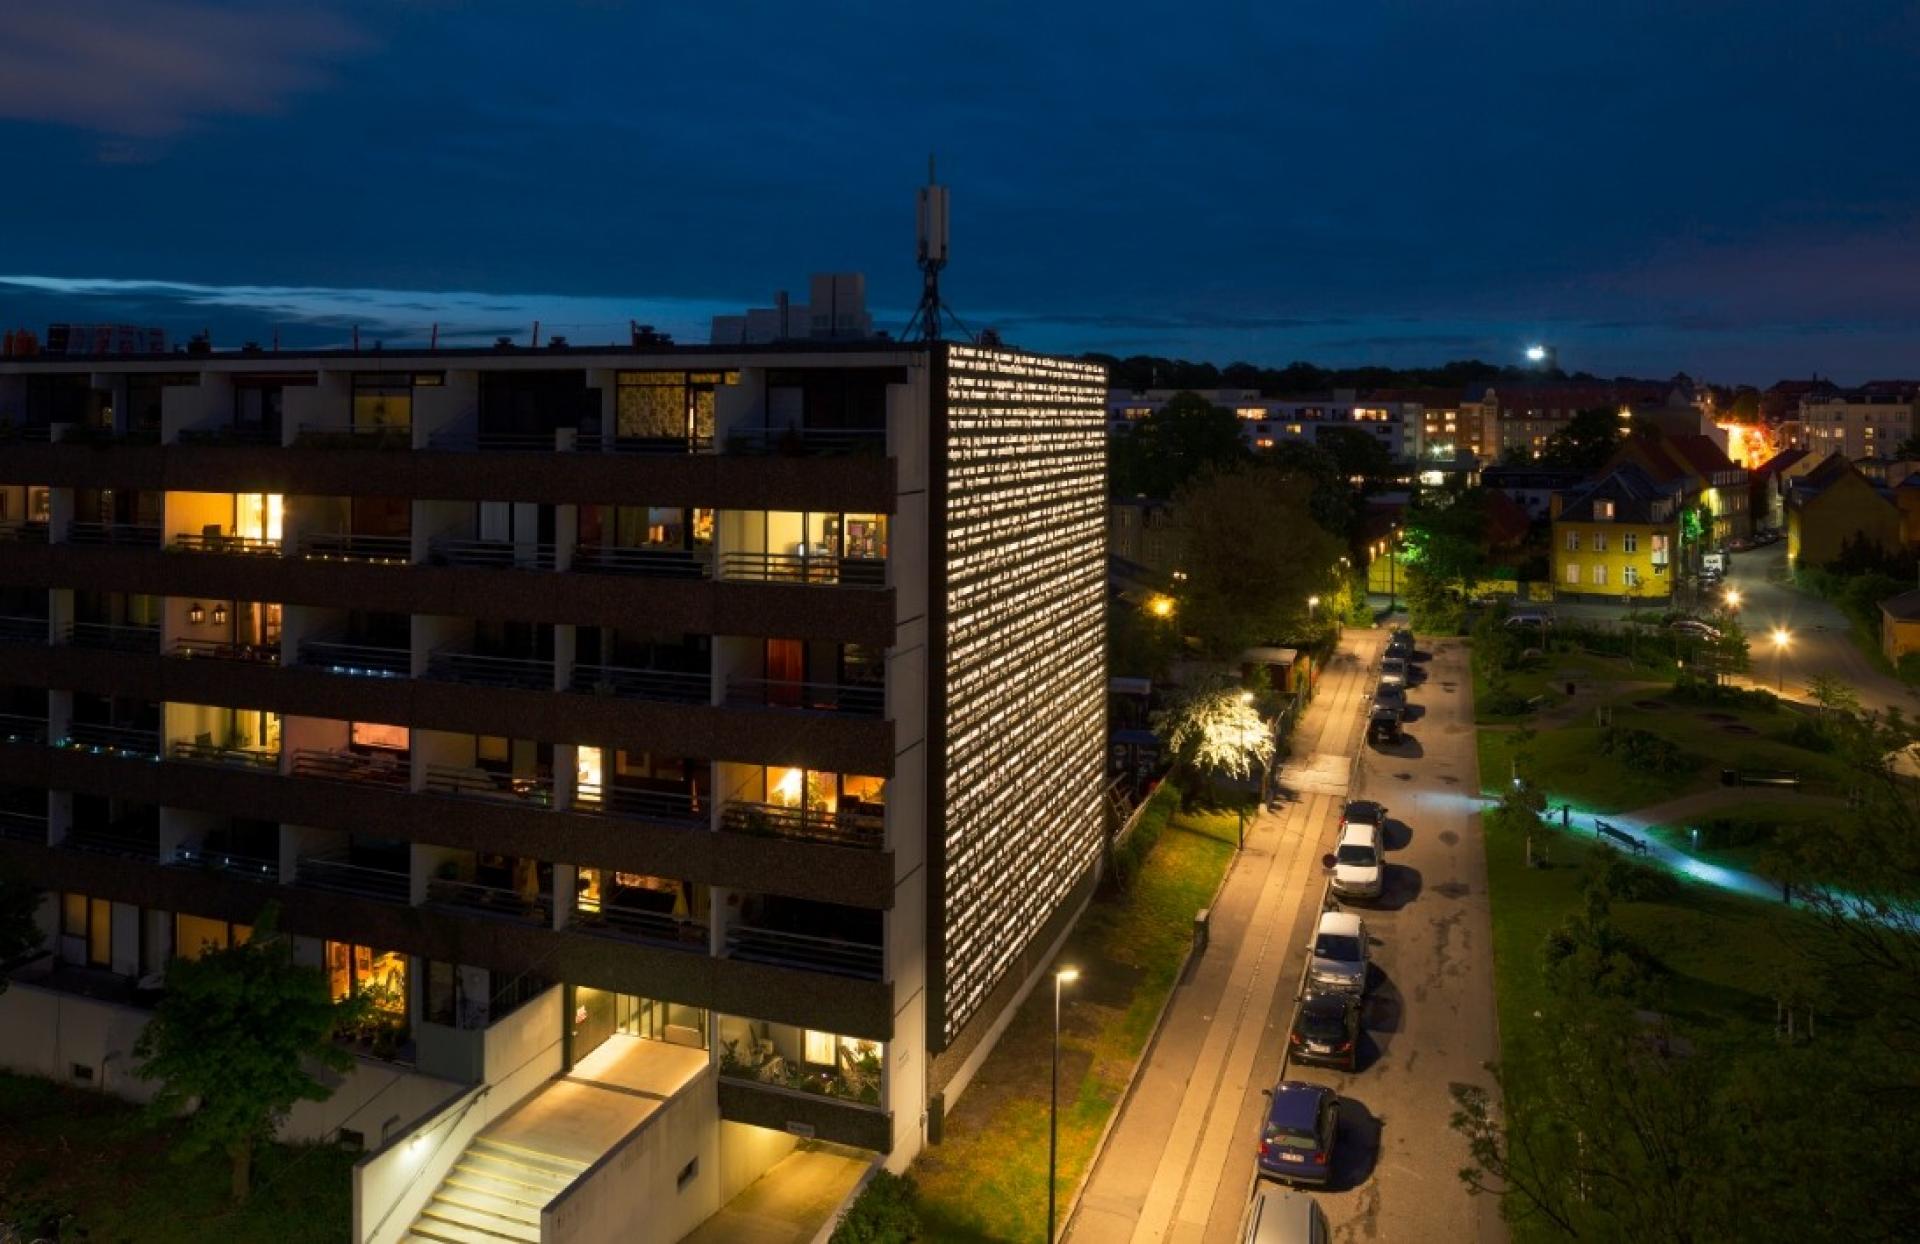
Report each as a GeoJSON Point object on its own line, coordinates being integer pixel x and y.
{"type": "Point", "coordinates": [47, 1033]}
{"type": "Point", "coordinates": [656, 1185]}
{"type": "Point", "coordinates": [748, 1152]}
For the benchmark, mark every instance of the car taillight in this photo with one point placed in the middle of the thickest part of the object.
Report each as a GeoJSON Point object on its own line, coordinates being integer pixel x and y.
{"type": "Point", "coordinates": [1294, 1038]}
{"type": "Point", "coordinates": [1320, 1159]}
{"type": "Point", "coordinates": [1344, 1045]}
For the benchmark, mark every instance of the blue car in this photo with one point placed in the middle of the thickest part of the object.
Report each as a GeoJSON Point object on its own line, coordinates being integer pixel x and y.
{"type": "Point", "coordinates": [1296, 1142]}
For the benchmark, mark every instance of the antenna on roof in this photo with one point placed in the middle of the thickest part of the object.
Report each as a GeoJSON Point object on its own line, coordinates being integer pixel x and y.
{"type": "Point", "coordinates": [931, 254]}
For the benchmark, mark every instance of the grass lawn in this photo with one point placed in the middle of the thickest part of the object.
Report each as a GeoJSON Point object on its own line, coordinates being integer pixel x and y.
{"type": "Point", "coordinates": [1781, 811]}
{"type": "Point", "coordinates": [1547, 678]}
{"type": "Point", "coordinates": [987, 1180]}
{"type": "Point", "coordinates": [83, 1154]}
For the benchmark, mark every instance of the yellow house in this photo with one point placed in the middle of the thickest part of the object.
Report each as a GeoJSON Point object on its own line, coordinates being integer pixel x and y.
{"type": "Point", "coordinates": [1615, 538]}
{"type": "Point", "coordinates": [1834, 505]}
{"type": "Point", "coordinates": [1900, 625]}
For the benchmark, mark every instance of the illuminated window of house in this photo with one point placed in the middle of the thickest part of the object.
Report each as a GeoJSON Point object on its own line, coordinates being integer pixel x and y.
{"type": "Point", "coordinates": [1603, 509]}
{"type": "Point", "coordinates": [259, 515]}
{"type": "Point", "coordinates": [89, 919]}
{"type": "Point", "coordinates": [194, 936]}
{"type": "Point", "coordinates": [382, 400]}
{"type": "Point", "coordinates": [819, 1048]}
{"type": "Point", "coordinates": [380, 974]}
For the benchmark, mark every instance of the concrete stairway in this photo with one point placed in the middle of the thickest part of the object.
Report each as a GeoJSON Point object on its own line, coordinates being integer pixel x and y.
{"type": "Point", "coordinates": [494, 1193]}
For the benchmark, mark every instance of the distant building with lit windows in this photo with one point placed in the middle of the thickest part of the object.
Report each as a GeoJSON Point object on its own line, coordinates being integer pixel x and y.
{"type": "Point", "coordinates": [1871, 421]}
{"type": "Point", "coordinates": [1398, 425]}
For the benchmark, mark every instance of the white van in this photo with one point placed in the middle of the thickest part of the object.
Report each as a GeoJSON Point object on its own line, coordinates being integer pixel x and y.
{"type": "Point", "coordinates": [1284, 1216]}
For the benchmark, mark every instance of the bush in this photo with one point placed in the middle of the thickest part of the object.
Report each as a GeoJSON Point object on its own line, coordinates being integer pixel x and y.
{"type": "Point", "coordinates": [1644, 750]}
{"type": "Point", "coordinates": [1908, 667]}
{"type": "Point", "coordinates": [1720, 832]}
{"type": "Point", "coordinates": [885, 1213]}
{"type": "Point", "coordinates": [1810, 734]}
{"type": "Point", "coordinates": [1640, 883]}
{"type": "Point", "coordinates": [1690, 688]}
{"type": "Point", "coordinates": [1132, 853]}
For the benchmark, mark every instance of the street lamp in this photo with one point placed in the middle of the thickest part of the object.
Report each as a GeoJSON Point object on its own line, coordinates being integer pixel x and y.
{"type": "Point", "coordinates": [1733, 600]}
{"type": "Point", "coordinates": [1781, 638]}
{"type": "Point", "coordinates": [1313, 602]}
{"type": "Point", "coordinates": [1064, 976]}
{"type": "Point", "coordinates": [1161, 606]}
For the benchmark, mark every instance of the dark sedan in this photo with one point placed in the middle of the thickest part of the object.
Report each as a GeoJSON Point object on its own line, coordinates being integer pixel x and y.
{"type": "Point", "coordinates": [1326, 1029]}
{"type": "Point", "coordinates": [1296, 1140]}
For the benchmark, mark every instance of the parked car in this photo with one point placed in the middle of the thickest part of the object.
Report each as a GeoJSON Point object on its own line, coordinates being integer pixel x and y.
{"type": "Point", "coordinates": [1358, 865]}
{"type": "Point", "coordinates": [1326, 1029]}
{"type": "Point", "coordinates": [1393, 672]}
{"type": "Point", "coordinates": [1529, 622]}
{"type": "Point", "coordinates": [1739, 544]}
{"type": "Point", "coordinates": [1400, 643]}
{"type": "Point", "coordinates": [1392, 698]}
{"type": "Point", "coordinates": [1285, 1216]}
{"type": "Point", "coordinates": [1383, 725]}
{"type": "Point", "coordinates": [1363, 812]}
{"type": "Point", "coordinates": [1695, 628]}
{"type": "Point", "coordinates": [1296, 1141]}
{"type": "Point", "coordinates": [1339, 953]}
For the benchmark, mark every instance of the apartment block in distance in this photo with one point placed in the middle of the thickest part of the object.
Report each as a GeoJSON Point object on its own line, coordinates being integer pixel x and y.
{"type": "Point", "coordinates": [694, 752]}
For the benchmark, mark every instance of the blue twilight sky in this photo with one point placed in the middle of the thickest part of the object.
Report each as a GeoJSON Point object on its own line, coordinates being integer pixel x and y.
{"type": "Point", "coordinates": [1728, 188]}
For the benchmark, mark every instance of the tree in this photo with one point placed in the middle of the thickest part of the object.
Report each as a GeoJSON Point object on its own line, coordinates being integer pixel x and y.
{"type": "Point", "coordinates": [1909, 449]}
{"type": "Point", "coordinates": [1336, 503]}
{"type": "Point", "coordinates": [1218, 731]}
{"type": "Point", "coordinates": [1162, 452]}
{"type": "Point", "coordinates": [1356, 455]}
{"type": "Point", "coordinates": [1586, 443]}
{"type": "Point", "coordinates": [1254, 554]}
{"type": "Point", "coordinates": [234, 1041]}
{"type": "Point", "coordinates": [20, 932]}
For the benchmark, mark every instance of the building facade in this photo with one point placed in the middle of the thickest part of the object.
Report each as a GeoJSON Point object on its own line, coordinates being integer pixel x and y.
{"type": "Point", "coordinates": [747, 701]}
{"type": "Point", "coordinates": [1398, 425]}
{"type": "Point", "coordinates": [1871, 421]}
{"type": "Point", "coordinates": [1617, 538]}
{"type": "Point", "coordinates": [1834, 506]}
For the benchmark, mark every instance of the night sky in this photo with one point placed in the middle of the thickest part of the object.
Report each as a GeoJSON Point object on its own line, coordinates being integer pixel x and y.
{"type": "Point", "coordinates": [1729, 190]}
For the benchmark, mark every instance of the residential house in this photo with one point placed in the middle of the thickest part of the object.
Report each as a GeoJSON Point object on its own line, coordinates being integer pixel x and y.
{"type": "Point", "coordinates": [1615, 539]}
{"type": "Point", "coordinates": [1900, 625]}
{"type": "Point", "coordinates": [1833, 506]}
{"type": "Point", "coordinates": [1767, 486]}
{"type": "Point", "coordinates": [1706, 476]}
{"type": "Point", "coordinates": [1864, 422]}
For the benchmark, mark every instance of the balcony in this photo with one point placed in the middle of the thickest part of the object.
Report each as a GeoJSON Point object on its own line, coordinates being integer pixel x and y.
{"type": "Point", "coordinates": [650, 445]}
{"type": "Point", "coordinates": [459, 782]}
{"type": "Point", "coordinates": [838, 828]}
{"type": "Point", "coordinates": [477, 670]}
{"type": "Point", "coordinates": [233, 546]}
{"type": "Point", "coordinates": [852, 699]}
{"type": "Point", "coordinates": [15, 728]}
{"type": "Point", "coordinates": [245, 434]}
{"type": "Point", "coordinates": [338, 546]}
{"type": "Point", "coordinates": [635, 924]}
{"type": "Point", "coordinates": [339, 436]}
{"type": "Point", "coordinates": [31, 631]}
{"type": "Point", "coordinates": [210, 754]}
{"type": "Point", "coordinates": [103, 740]}
{"type": "Point", "coordinates": [118, 535]}
{"type": "Point", "coordinates": [110, 637]}
{"type": "Point", "coordinates": [626, 683]}
{"type": "Point", "coordinates": [493, 554]}
{"type": "Point", "coordinates": [633, 803]}
{"type": "Point", "coordinates": [23, 533]}
{"type": "Point", "coordinates": [28, 827]}
{"type": "Point", "coordinates": [383, 769]}
{"type": "Point", "coordinates": [335, 874]}
{"type": "Point", "coordinates": [799, 950]}
{"type": "Point", "coordinates": [470, 898]}
{"type": "Point", "coordinates": [808, 568]}
{"type": "Point", "coordinates": [647, 563]}
{"type": "Point", "coordinates": [355, 660]}
{"type": "Point", "coordinates": [220, 650]}
{"type": "Point", "coordinates": [227, 863]}
{"type": "Point", "coordinates": [135, 838]}
{"type": "Point", "coordinates": [808, 442]}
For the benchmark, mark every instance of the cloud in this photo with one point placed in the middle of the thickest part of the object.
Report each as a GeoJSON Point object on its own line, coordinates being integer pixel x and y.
{"type": "Point", "coordinates": [148, 69]}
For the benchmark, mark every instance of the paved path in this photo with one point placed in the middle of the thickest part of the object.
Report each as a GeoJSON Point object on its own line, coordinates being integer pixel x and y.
{"type": "Point", "coordinates": [1179, 1164]}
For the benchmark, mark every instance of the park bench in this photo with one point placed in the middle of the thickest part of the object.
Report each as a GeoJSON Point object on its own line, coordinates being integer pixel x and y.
{"type": "Point", "coordinates": [1760, 777]}
{"type": "Point", "coordinates": [1621, 836]}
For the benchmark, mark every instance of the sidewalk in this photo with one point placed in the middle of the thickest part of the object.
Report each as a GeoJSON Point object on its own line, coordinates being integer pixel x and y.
{"type": "Point", "coordinates": [1158, 1177]}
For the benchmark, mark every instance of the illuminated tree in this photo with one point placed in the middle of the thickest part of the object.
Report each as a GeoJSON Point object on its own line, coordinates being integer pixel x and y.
{"type": "Point", "coordinates": [1219, 732]}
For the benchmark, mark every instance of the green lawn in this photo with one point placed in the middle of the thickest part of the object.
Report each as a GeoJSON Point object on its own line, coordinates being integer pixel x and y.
{"type": "Point", "coordinates": [987, 1179]}
{"type": "Point", "coordinates": [66, 1152]}
{"type": "Point", "coordinates": [1782, 812]}
{"type": "Point", "coordinates": [1546, 677]}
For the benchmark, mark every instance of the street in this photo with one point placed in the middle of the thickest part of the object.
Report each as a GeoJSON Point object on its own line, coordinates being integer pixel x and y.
{"type": "Point", "coordinates": [1179, 1165]}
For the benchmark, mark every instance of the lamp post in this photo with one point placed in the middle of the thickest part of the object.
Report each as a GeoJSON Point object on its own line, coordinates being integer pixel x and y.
{"type": "Point", "coordinates": [1064, 976]}
{"type": "Point", "coordinates": [1313, 602]}
{"type": "Point", "coordinates": [1781, 638]}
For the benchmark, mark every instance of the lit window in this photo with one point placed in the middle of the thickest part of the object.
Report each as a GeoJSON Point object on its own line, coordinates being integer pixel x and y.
{"type": "Point", "coordinates": [1630, 575]}
{"type": "Point", "coordinates": [1573, 573]}
{"type": "Point", "coordinates": [1603, 509]}
{"type": "Point", "coordinates": [819, 1048]}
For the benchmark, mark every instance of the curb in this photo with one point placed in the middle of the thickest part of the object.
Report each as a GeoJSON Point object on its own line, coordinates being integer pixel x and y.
{"type": "Point", "coordinates": [1146, 1055]}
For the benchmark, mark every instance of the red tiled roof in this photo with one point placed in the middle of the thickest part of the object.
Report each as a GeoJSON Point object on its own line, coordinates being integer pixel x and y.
{"type": "Point", "coordinates": [1699, 451]}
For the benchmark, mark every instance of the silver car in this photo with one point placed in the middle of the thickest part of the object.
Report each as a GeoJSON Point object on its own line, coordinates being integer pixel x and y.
{"type": "Point", "coordinates": [1393, 672]}
{"type": "Point", "coordinates": [1284, 1216]}
{"type": "Point", "coordinates": [1339, 951]}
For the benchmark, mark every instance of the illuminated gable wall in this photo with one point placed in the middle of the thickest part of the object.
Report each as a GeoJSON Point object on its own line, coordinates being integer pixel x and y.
{"type": "Point", "coordinates": [1022, 679]}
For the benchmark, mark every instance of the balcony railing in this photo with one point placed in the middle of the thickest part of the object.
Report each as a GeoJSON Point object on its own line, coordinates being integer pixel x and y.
{"type": "Point", "coordinates": [90, 736]}
{"type": "Point", "coordinates": [232, 434]}
{"type": "Point", "coordinates": [487, 900]}
{"type": "Point", "coordinates": [656, 928]}
{"type": "Point", "coordinates": [340, 546]}
{"type": "Point", "coordinates": [213, 859]}
{"type": "Point", "coordinates": [799, 950]}
{"type": "Point", "coordinates": [839, 828]}
{"type": "Point", "coordinates": [109, 637]}
{"type": "Point", "coordinates": [851, 699]}
{"type": "Point", "coordinates": [23, 630]}
{"type": "Point", "coordinates": [343, 436]}
{"type": "Point", "coordinates": [650, 563]}
{"type": "Point", "coordinates": [499, 554]}
{"type": "Point", "coordinates": [667, 686]}
{"type": "Point", "coordinates": [23, 827]}
{"type": "Point", "coordinates": [334, 873]}
{"type": "Point", "coordinates": [383, 769]}
{"type": "Point", "coordinates": [355, 660]}
{"type": "Point", "coordinates": [133, 842]}
{"type": "Point", "coordinates": [680, 807]}
{"type": "Point", "coordinates": [461, 782]}
{"type": "Point", "coordinates": [35, 433]}
{"type": "Point", "coordinates": [23, 533]}
{"type": "Point", "coordinates": [820, 568]}
{"type": "Point", "coordinates": [212, 754]}
{"type": "Point", "coordinates": [15, 728]}
{"type": "Point", "coordinates": [128, 535]}
{"type": "Point", "coordinates": [476, 669]}
{"type": "Point", "coordinates": [808, 442]}
{"type": "Point", "coordinates": [221, 650]}
{"type": "Point", "coordinates": [469, 439]}
{"type": "Point", "coordinates": [245, 546]}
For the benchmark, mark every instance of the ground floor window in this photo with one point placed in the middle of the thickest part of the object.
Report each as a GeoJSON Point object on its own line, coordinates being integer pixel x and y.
{"type": "Point", "coordinates": [194, 936]}
{"type": "Point", "coordinates": [1630, 575]}
{"type": "Point", "coordinates": [379, 974]}
{"type": "Point", "coordinates": [91, 921]}
{"type": "Point", "coordinates": [1573, 573]}
{"type": "Point", "coordinates": [598, 1014]}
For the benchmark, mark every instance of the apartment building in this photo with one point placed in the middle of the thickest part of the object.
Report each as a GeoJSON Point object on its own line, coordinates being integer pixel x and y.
{"type": "Point", "coordinates": [727, 722]}
{"type": "Point", "coordinates": [1399, 426]}
{"type": "Point", "coordinates": [1617, 538]}
{"type": "Point", "coordinates": [1871, 421]}
{"type": "Point", "coordinates": [1518, 419]}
